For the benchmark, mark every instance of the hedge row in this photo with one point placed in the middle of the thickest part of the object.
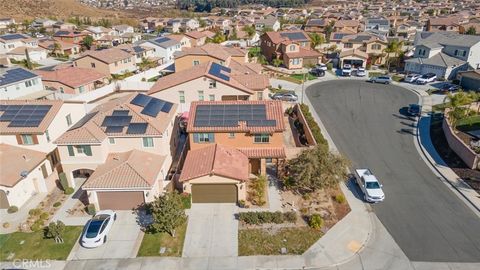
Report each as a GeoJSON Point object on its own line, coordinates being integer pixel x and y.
{"type": "Point", "coordinates": [317, 134]}
{"type": "Point", "coordinates": [256, 218]}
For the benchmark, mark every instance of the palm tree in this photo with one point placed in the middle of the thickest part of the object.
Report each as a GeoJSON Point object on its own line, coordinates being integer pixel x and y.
{"type": "Point", "coordinates": [394, 47]}
{"type": "Point", "coordinates": [456, 103]}
{"type": "Point", "coordinates": [316, 40]}
{"type": "Point", "coordinates": [56, 48]}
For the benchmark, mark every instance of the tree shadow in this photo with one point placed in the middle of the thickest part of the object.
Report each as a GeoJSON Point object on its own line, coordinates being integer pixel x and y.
{"type": "Point", "coordinates": [407, 131]}
{"type": "Point", "coordinates": [143, 217]}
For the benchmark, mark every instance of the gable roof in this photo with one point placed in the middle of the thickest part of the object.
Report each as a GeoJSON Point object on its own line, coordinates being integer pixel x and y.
{"type": "Point", "coordinates": [71, 76]}
{"type": "Point", "coordinates": [446, 38]}
{"type": "Point", "coordinates": [215, 160]}
{"type": "Point", "coordinates": [214, 50]}
{"type": "Point", "coordinates": [283, 36]}
{"type": "Point", "coordinates": [15, 160]}
{"type": "Point", "coordinates": [134, 169]}
{"type": "Point", "coordinates": [163, 42]}
{"type": "Point", "coordinates": [195, 34]}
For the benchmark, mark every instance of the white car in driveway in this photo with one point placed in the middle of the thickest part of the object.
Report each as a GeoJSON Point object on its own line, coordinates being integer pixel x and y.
{"type": "Point", "coordinates": [347, 70]}
{"type": "Point", "coordinates": [381, 79]}
{"type": "Point", "coordinates": [427, 78]}
{"type": "Point", "coordinates": [321, 67]}
{"type": "Point", "coordinates": [96, 230]}
{"type": "Point", "coordinates": [368, 183]}
{"type": "Point", "coordinates": [361, 72]}
{"type": "Point", "coordinates": [410, 78]}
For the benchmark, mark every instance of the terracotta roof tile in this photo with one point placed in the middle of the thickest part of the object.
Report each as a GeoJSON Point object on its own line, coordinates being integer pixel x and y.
{"type": "Point", "coordinates": [263, 152]}
{"type": "Point", "coordinates": [195, 34]}
{"type": "Point", "coordinates": [253, 81]}
{"type": "Point", "coordinates": [12, 163]}
{"type": "Point", "coordinates": [71, 76]}
{"type": "Point", "coordinates": [216, 160]}
{"type": "Point", "coordinates": [108, 56]}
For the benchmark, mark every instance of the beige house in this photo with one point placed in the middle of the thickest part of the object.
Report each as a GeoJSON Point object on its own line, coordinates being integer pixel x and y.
{"type": "Point", "coordinates": [213, 82]}
{"type": "Point", "coordinates": [217, 53]}
{"type": "Point", "coordinates": [370, 44]}
{"type": "Point", "coordinates": [124, 148]}
{"type": "Point", "coordinates": [72, 80]}
{"type": "Point", "coordinates": [196, 38]}
{"type": "Point", "coordinates": [108, 61]}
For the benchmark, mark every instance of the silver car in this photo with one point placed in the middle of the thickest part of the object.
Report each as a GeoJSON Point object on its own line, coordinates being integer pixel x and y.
{"type": "Point", "coordinates": [381, 79]}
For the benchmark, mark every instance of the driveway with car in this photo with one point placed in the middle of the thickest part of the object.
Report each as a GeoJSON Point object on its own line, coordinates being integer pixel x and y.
{"type": "Point", "coordinates": [369, 125]}
{"type": "Point", "coordinates": [212, 231]}
{"type": "Point", "coordinates": [122, 241]}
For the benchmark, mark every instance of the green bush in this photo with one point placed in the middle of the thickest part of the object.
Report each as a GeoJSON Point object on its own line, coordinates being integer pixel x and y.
{"type": "Point", "coordinates": [63, 180]}
{"type": "Point", "coordinates": [186, 200]}
{"type": "Point", "coordinates": [258, 190]}
{"type": "Point", "coordinates": [91, 209]}
{"type": "Point", "coordinates": [44, 216]}
{"type": "Point", "coordinates": [315, 221]}
{"type": "Point", "coordinates": [255, 218]}
{"type": "Point", "coordinates": [290, 216]}
{"type": "Point", "coordinates": [241, 203]}
{"type": "Point", "coordinates": [329, 66]}
{"type": "Point", "coordinates": [34, 212]}
{"type": "Point", "coordinates": [340, 198]}
{"type": "Point", "coordinates": [12, 209]}
{"type": "Point", "coordinates": [249, 218]}
{"type": "Point", "coordinates": [57, 204]}
{"type": "Point", "coordinates": [37, 226]}
{"type": "Point", "coordinates": [69, 190]}
{"type": "Point", "coordinates": [317, 134]}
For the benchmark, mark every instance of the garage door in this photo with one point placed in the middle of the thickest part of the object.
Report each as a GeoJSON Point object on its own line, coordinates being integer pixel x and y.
{"type": "Point", "coordinates": [120, 200]}
{"type": "Point", "coordinates": [214, 193]}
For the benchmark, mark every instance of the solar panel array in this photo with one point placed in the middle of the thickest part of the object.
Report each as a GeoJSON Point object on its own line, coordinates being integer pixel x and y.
{"type": "Point", "coordinates": [12, 36]}
{"type": "Point", "coordinates": [151, 106]}
{"type": "Point", "coordinates": [216, 70]}
{"type": "Point", "coordinates": [116, 120]}
{"type": "Point", "coordinates": [24, 115]}
{"type": "Point", "coordinates": [339, 35]}
{"type": "Point", "coordinates": [137, 128]}
{"type": "Point", "coordinates": [15, 75]}
{"type": "Point", "coordinates": [229, 115]}
{"type": "Point", "coordinates": [293, 35]}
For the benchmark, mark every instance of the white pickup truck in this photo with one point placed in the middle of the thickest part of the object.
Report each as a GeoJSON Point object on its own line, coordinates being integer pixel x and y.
{"type": "Point", "coordinates": [369, 185]}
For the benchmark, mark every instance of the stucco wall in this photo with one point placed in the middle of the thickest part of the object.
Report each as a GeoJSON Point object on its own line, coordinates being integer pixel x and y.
{"type": "Point", "coordinates": [308, 132]}
{"type": "Point", "coordinates": [240, 140]}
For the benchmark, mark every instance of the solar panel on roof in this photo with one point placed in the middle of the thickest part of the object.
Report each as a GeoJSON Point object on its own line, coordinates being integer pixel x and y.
{"type": "Point", "coordinates": [12, 36]}
{"type": "Point", "coordinates": [15, 75]}
{"type": "Point", "coordinates": [24, 115]}
{"type": "Point", "coordinates": [153, 107]}
{"type": "Point", "coordinates": [293, 35]}
{"type": "Point", "coordinates": [116, 121]}
{"type": "Point", "coordinates": [141, 100]}
{"type": "Point", "coordinates": [137, 128]}
{"type": "Point", "coordinates": [219, 71]}
{"type": "Point", "coordinates": [32, 123]}
{"type": "Point", "coordinates": [167, 107]}
{"type": "Point", "coordinates": [17, 123]}
{"type": "Point", "coordinates": [120, 112]}
{"type": "Point", "coordinates": [229, 115]}
{"type": "Point", "coordinates": [114, 129]}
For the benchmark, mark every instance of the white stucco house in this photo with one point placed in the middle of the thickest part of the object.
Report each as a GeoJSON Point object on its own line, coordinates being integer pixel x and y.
{"type": "Point", "coordinates": [163, 47]}
{"type": "Point", "coordinates": [19, 82]}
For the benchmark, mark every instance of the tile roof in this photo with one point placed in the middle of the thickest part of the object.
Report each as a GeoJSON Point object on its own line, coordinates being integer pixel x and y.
{"type": "Point", "coordinates": [214, 50]}
{"type": "Point", "coordinates": [303, 53]}
{"type": "Point", "coordinates": [446, 38]}
{"type": "Point", "coordinates": [317, 22]}
{"type": "Point", "coordinates": [347, 23]}
{"type": "Point", "coordinates": [193, 73]}
{"type": "Point", "coordinates": [355, 52]}
{"type": "Point", "coordinates": [90, 130]}
{"type": "Point", "coordinates": [195, 34]}
{"type": "Point", "coordinates": [274, 111]}
{"type": "Point", "coordinates": [163, 42]}
{"type": "Point", "coordinates": [108, 55]}
{"type": "Point", "coordinates": [443, 60]}
{"type": "Point", "coordinates": [215, 160]}
{"type": "Point", "coordinates": [244, 68]}
{"type": "Point", "coordinates": [263, 152]}
{"type": "Point", "coordinates": [134, 169]}
{"type": "Point", "coordinates": [42, 127]}
{"type": "Point", "coordinates": [279, 37]}
{"type": "Point", "coordinates": [14, 160]}
{"type": "Point", "coordinates": [49, 44]}
{"type": "Point", "coordinates": [71, 76]}
{"type": "Point", "coordinates": [253, 81]}
{"type": "Point", "coordinates": [21, 50]}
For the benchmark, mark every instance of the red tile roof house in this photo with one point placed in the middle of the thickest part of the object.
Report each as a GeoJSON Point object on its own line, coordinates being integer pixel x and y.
{"type": "Point", "coordinates": [108, 61]}
{"type": "Point", "coordinates": [29, 159]}
{"type": "Point", "coordinates": [292, 47]}
{"type": "Point", "coordinates": [124, 147]}
{"type": "Point", "coordinates": [72, 80]}
{"type": "Point", "coordinates": [211, 81]}
{"type": "Point", "coordinates": [255, 128]}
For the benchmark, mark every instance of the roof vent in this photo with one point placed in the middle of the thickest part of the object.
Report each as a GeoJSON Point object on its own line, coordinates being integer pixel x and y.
{"type": "Point", "coordinates": [24, 174]}
{"type": "Point", "coordinates": [25, 158]}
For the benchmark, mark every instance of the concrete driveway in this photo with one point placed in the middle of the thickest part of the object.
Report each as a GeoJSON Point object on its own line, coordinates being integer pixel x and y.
{"type": "Point", "coordinates": [123, 241]}
{"type": "Point", "coordinates": [212, 231]}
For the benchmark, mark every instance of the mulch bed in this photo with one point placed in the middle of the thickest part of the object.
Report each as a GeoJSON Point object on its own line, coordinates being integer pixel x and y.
{"type": "Point", "coordinates": [471, 177]}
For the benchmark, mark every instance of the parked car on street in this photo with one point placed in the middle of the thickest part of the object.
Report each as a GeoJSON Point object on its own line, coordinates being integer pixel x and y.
{"type": "Point", "coordinates": [427, 78]}
{"type": "Point", "coordinates": [287, 96]}
{"type": "Point", "coordinates": [450, 87]}
{"type": "Point", "coordinates": [368, 183]}
{"type": "Point", "coordinates": [347, 70]}
{"type": "Point", "coordinates": [96, 230]}
{"type": "Point", "coordinates": [361, 72]}
{"type": "Point", "coordinates": [414, 109]}
{"type": "Point", "coordinates": [321, 67]}
{"type": "Point", "coordinates": [410, 78]}
{"type": "Point", "coordinates": [317, 72]}
{"type": "Point", "coordinates": [381, 79]}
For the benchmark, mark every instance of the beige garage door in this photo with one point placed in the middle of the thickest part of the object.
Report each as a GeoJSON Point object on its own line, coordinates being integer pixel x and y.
{"type": "Point", "coordinates": [120, 200]}
{"type": "Point", "coordinates": [214, 193]}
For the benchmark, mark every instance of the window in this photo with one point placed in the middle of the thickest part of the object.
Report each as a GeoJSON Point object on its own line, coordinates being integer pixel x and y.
{"type": "Point", "coordinates": [296, 61]}
{"type": "Point", "coordinates": [61, 90]}
{"type": "Point", "coordinates": [69, 119]}
{"type": "Point", "coordinates": [231, 135]}
{"type": "Point", "coordinates": [81, 89]}
{"type": "Point", "coordinates": [116, 64]}
{"type": "Point", "coordinates": [200, 95]}
{"type": "Point", "coordinates": [196, 62]}
{"type": "Point", "coordinates": [456, 52]}
{"type": "Point", "coordinates": [47, 135]}
{"type": "Point", "coordinates": [292, 48]}
{"type": "Point", "coordinates": [213, 84]}
{"type": "Point", "coordinates": [92, 65]}
{"type": "Point", "coordinates": [261, 138]}
{"type": "Point", "coordinates": [147, 142]}
{"type": "Point", "coordinates": [27, 139]}
{"type": "Point", "coordinates": [348, 45]}
{"type": "Point", "coordinates": [259, 95]}
{"type": "Point", "coordinates": [203, 137]}
{"type": "Point", "coordinates": [376, 47]}
{"type": "Point", "coordinates": [464, 53]}
{"type": "Point", "coordinates": [181, 95]}
{"type": "Point", "coordinates": [111, 140]}
{"type": "Point", "coordinates": [80, 149]}
{"type": "Point", "coordinates": [28, 83]}
{"type": "Point", "coordinates": [211, 97]}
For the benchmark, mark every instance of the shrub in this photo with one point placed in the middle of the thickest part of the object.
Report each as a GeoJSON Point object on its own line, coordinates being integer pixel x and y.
{"type": "Point", "coordinates": [12, 209]}
{"type": "Point", "coordinates": [6, 225]}
{"type": "Point", "coordinates": [290, 217]}
{"type": "Point", "coordinates": [277, 217]}
{"type": "Point", "coordinates": [186, 200]}
{"type": "Point", "coordinates": [44, 216]}
{"type": "Point", "coordinates": [317, 134]}
{"type": "Point", "coordinates": [306, 196]}
{"type": "Point", "coordinates": [57, 204]}
{"type": "Point", "coordinates": [340, 198]}
{"type": "Point", "coordinates": [37, 226]}
{"type": "Point", "coordinates": [315, 221]}
{"type": "Point", "coordinates": [63, 180]}
{"type": "Point", "coordinates": [91, 209]}
{"type": "Point", "coordinates": [241, 203]}
{"type": "Point", "coordinates": [255, 218]}
{"type": "Point", "coordinates": [257, 192]}
{"type": "Point", "coordinates": [329, 66]}
{"type": "Point", "coordinates": [34, 212]}
{"type": "Point", "coordinates": [249, 218]}
{"type": "Point", "coordinates": [69, 190]}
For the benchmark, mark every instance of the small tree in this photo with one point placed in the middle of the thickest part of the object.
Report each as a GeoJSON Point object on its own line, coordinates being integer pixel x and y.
{"type": "Point", "coordinates": [168, 213]}
{"type": "Point", "coordinates": [316, 40]}
{"type": "Point", "coordinates": [277, 62]}
{"type": "Point", "coordinates": [55, 231]}
{"type": "Point", "coordinates": [471, 31]}
{"type": "Point", "coordinates": [250, 30]}
{"type": "Point", "coordinates": [87, 42]}
{"type": "Point", "coordinates": [56, 48]}
{"type": "Point", "coordinates": [27, 59]}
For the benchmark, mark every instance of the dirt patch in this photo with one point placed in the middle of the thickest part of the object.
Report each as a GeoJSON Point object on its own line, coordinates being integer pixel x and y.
{"type": "Point", "coordinates": [471, 177]}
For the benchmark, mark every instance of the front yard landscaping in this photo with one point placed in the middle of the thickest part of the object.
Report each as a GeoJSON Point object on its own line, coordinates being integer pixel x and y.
{"type": "Point", "coordinates": [35, 246]}
{"type": "Point", "coordinates": [153, 242]}
{"type": "Point", "coordinates": [297, 78]}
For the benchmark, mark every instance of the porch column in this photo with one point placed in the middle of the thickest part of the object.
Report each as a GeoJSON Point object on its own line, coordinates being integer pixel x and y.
{"type": "Point", "coordinates": [263, 166]}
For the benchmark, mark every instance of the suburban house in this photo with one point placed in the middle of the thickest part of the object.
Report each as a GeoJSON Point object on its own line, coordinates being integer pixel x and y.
{"type": "Point", "coordinates": [35, 54]}
{"type": "Point", "coordinates": [253, 127]}
{"type": "Point", "coordinates": [140, 52]}
{"type": "Point", "coordinates": [124, 148]}
{"type": "Point", "coordinates": [346, 26]}
{"type": "Point", "coordinates": [379, 26]}
{"type": "Point", "coordinates": [98, 32]}
{"type": "Point", "coordinates": [163, 48]}
{"type": "Point", "coordinates": [72, 80]}
{"type": "Point", "coordinates": [447, 23]}
{"type": "Point", "coordinates": [469, 80]}
{"type": "Point", "coordinates": [43, 23]}
{"type": "Point", "coordinates": [444, 53]}
{"type": "Point", "coordinates": [269, 22]}
{"type": "Point", "coordinates": [29, 157]}
{"type": "Point", "coordinates": [316, 25]}
{"type": "Point", "coordinates": [74, 37]}
{"type": "Point", "coordinates": [371, 45]}
{"type": "Point", "coordinates": [292, 47]}
{"type": "Point", "coordinates": [5, 23]}
{"type": "Point", "coordinates": [210, 81]}
{"type": "Point", "coordinates": [222, 55]}
{"type": "Point", "coordinates": [196, 38]}
{"type": "Point", "coordinates": [122, 29]}
{"type": "Point", "coordinates": [9, 42]}
{"type": "Point", "coordinates": [215, 174]}
{"type": "Point", "coordinates": [63, 48]}
{"type": "Point", "coordinates": [18, 83]}
{"type": "Point", "coordinates": [182, 39]}
{"type": "Point", "coordinates": [109, 61]}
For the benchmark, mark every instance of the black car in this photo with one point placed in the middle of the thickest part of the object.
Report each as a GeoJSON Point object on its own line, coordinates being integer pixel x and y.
{"type": "Point", "coordinates": [450, 87]}
{"type": "Point", "coordinates": [317, 72]}
{"type": "Point", "coordinates": [414, 109]}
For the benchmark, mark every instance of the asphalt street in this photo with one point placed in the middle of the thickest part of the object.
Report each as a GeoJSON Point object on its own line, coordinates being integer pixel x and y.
{"type": "Point", "coordinates": [425, 218]}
